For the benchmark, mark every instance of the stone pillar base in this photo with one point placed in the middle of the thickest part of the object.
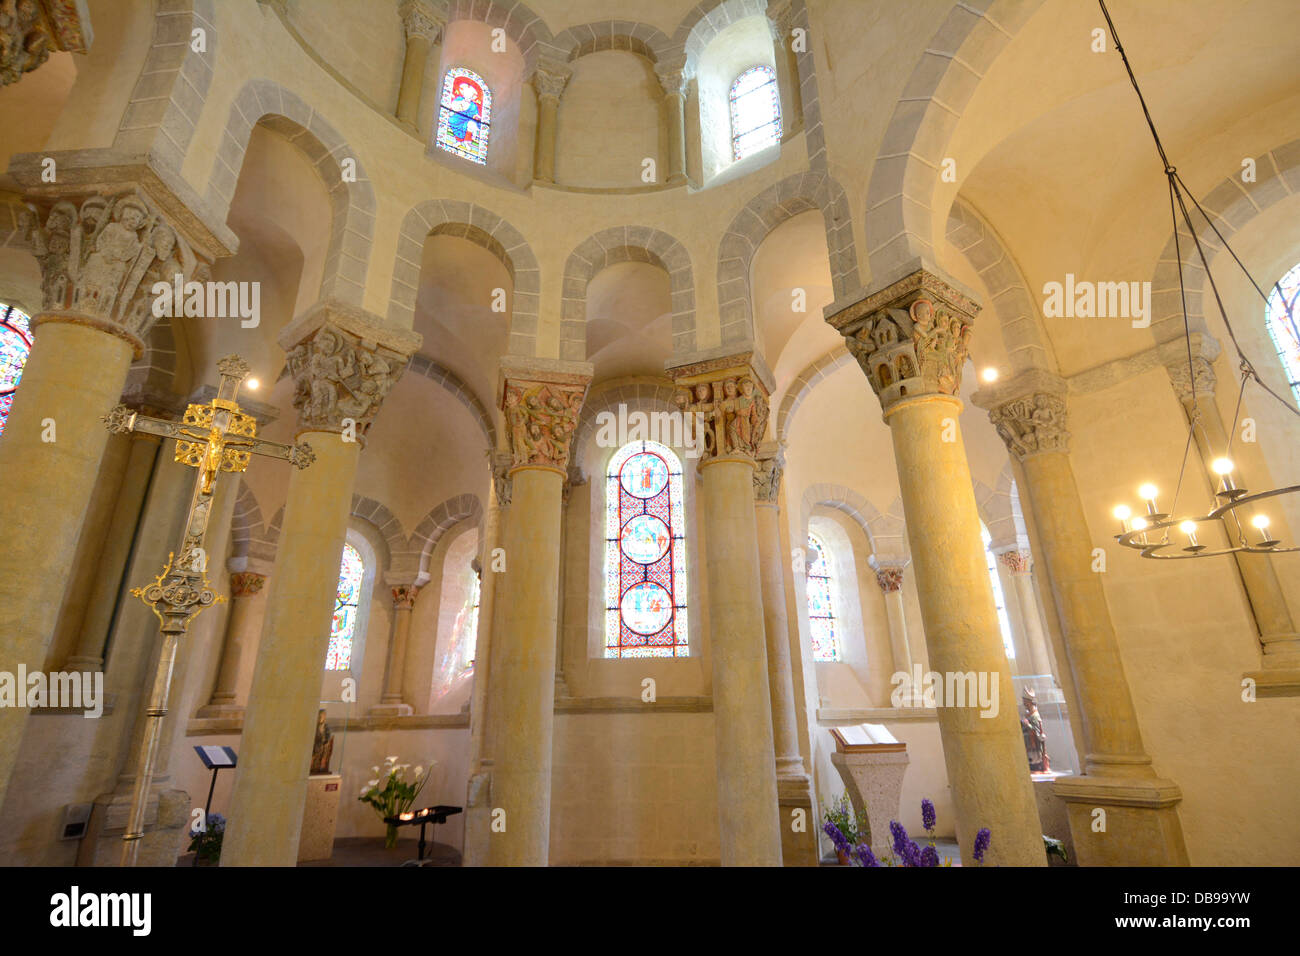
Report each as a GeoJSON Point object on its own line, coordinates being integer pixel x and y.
{"type": "Point", "coordinates": [875, 784]}
{"type": "Point", "coordinates": [221, 711]}
{"type": "Point", "coordinates": [391, 710]}
{"type": "Point", "coordinates": [166, 829]}
{"type": "Point", "coordinates": [1141, 820]}
{"type": "Point", "coordinates": [1053, 814]}
{"type": "Point", "coordinates": [1275, 681]}
{"type": "Point", "coordinates": [794, 792]}
{"type": "Point", "coordinates": [319, 817]}
{"type": "Point", "coordinates": [478, 820]}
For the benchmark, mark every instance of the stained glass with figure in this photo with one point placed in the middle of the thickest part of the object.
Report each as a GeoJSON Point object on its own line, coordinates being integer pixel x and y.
{"type": "Point", "coordinates": [15, 344]}
{"type": "Point", "coordinates": [465, 116]}
{"type": "Point", "coordinates": [821, 610]}
{"type": "Point", "coordinates": [645, 553]}
{"type": "Point", "coordinates": [1284, 326]}
{"type": "Point", "coordinates": [755, 112]}
{"type": "Point", "coordinates": [339, 656]}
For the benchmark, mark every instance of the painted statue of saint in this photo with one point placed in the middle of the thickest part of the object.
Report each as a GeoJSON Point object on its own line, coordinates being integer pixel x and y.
{"type": "Point", "coordinates": [324, 747]}
{"type": "Point", "coordinates": [1031, 726]}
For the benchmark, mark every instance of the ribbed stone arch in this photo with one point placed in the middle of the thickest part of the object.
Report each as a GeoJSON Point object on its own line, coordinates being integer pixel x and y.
{"type": "Point", "coordinates": [1017, 309]}
{"type": "Point", "coordinates": [168, 97]}
{"type": "Point", "coordinates": [906, 171]}
{"type": "Point", "coordinates": [886, 531]}
{"type": "Point", "coordinates": [422, 364]}
{"type": "Point", "coordinates": [706, 20]}
{"type": "Point", "coordinates": [639, 38]}
{"type": "Point", "coordinates": [1232, 204]}
{"type": "Point", "coordinates": [384, 521]}
{"type": "Point", "coordinates": [446, 217]}
{"type": "Point", "coordinates": [155, 370]}
{"type": "Point", "coordinates": [529, 32]}
{"type": "Point", "coordinates": [249, 536]}
{"type": "Point", "coordinates": [623, 244]}
{"type": "Point", "coordinates": [999, 509]}
{"type": "Point", "coordinates": [799, 193]}
{"type": "Point", "coordinates": [804, 382]}
{"type": "Point", "coordinates": [646, 396]}
{"type": "Point", "coordinates": [439, 520]}
{"type": "Point", "coordinates": [266, 103]}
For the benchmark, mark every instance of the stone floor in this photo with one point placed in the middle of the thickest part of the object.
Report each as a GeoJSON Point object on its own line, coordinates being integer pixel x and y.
{"type": "Point", "coordinates": [370, 851]}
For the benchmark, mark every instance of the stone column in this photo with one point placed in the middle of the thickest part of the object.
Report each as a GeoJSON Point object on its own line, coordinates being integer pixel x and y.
{"type": "Point", "coordinates": [1019, 565]}
{"type": "Point", "coordinates": [541, 400]}
{"type": "Point", "coordinates": [889, 575]}
{"type": "Point", "coordinates": [1142, 827]}
{"type": "Point", "coordinates": [1279, 673]}
{"type": "Point", "coordinates": [422, 25]}
{"type": "Point", "coordinates": [392, 703]}
{"type": "Point", "coordinates": [344, 362]}
{"type": "Point", "coordinates": [244, 586]}
{"type": "Point", "coordinates": [793, 786]}
{"type": "Point", "coordinates": [674, 82]}
{"type": "Point", "coordinates": [142, 453]}
{"type": "Point", "coordinates": [911, 341]}
{"type": "Point", "coordinates": [732, 397]}
{"type": "Point", "coordinates": [99, 253]}
{"type": "Point", "coordinates": [549, 80]}
{"type": "Point", "coordinates": [780, 18]}
{"type": "Point", "coordinates": [478, 807]}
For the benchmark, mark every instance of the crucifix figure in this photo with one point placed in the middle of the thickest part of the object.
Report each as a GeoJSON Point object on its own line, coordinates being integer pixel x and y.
{"type": "Point", "coordinates": [214, 437]}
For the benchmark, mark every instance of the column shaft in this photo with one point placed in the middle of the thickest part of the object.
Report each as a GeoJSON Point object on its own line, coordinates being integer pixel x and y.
{"type": "Point", "coordinates": [677, 137]}
{"type": "Point", "coordinates": [523, 697]}
{"type": "Point", "coordinates": [785, 736]}
{"type": "Point", "coordinates": [244, 586]}
{"type": "Point", "coordinates": [742, 709]}
{"type": "Point", "coordinates": [1039, 659]}
{"type": "Point", "coordinates": [271, 782]}
{"type": "Point", "coordinates": [72, 377]}
{"type": "Point", "coordinates": [983, 749]}
{"type": "Point", "coordinates": [412, 88]}
{"type": "Point", "coordinates": [548, 111]}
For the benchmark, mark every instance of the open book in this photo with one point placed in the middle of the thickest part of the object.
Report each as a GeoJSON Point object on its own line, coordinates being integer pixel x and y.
{"type": "Point", "coordinates": [866, 738]}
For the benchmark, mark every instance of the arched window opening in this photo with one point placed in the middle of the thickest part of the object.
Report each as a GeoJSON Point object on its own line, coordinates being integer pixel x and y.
{"type": "Point", "coordinates": [645, 553]}
{"type": "Point", "coordinates": [821, 606]}
{"type": "Point", "coordinates": [755, 112]}
{"type": "Point", "coordinates": [1283, 317]}
{"type": "Point", "coordinates": [465, 116]}
{"type": "Point", "coordinates": [999, 599]}
{"type": "Point", "coordinates": [15, 344]}
{"type": "Point", "coordinates": [343, 629]}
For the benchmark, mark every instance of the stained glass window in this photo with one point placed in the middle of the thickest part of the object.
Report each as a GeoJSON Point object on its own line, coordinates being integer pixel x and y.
{"type": "Point", "coordinates": [339, 657]}
{"type": "Point", "coordinates": [645, 553]}
{"type": "Point", "coordinates": [15, 343]}
{"type": "Point", "coordinates": [1284, 326]}
{"type": "Point", "coordinates": [465, 117]}
{"type": "Point", "coordinates": [821, 612]}
{"type": "Point", "coordinates": [999, 598]}
{"type": "Point", "coordinates": [755, 112]}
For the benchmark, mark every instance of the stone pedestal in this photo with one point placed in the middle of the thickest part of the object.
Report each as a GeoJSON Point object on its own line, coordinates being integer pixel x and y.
{"type": "Point", "coordinates": [319, 817]}
{"type": "Point", "coordinates": [166, 829]}
{"type": "Point", "coordinates": [1053, 812]}
{"type": "Point", "coordinates": [1137, 824]}
{"type": "Point", "coordinates": [874, 782]}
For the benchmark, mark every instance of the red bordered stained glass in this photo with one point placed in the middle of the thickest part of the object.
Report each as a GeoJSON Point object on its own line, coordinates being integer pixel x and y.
{"type": "Point", "coordinates": [15, 344]}
{"type": "Point", "coordinates": [821, 614]}
{"type": "Point", "coordinates": [344, 625]}
{"type": "Point", "coordinates": [645, 553]}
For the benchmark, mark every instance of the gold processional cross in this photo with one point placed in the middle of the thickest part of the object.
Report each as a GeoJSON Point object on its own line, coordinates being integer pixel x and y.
{"type": "Point", "coordinates": [214, 437]}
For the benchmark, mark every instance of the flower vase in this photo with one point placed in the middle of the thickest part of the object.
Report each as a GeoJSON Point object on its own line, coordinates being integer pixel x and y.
{"type": "Point", "coordinates": [390, 837]}
{"type": "Point", "coordinates": [843, 857]}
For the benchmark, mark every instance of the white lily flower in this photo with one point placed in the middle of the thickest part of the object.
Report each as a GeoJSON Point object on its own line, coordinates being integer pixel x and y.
{"type": "Point", "coordinates": [374, 770]}
{"type": "Point", "coordinates": [419, 771]}
{"type": "Point", "coordinates": [373, 783]}
{"type": "Point", "coordinates": [391, 759]}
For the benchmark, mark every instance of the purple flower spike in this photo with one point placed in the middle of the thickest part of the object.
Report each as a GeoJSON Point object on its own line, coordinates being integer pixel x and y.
{"type": "Point", "coordinates": [912, 854]}
{"type": "Point", "coordinates": [900, 837]}
{"type": "Point", "coordinates": [832, 831]}
{"type": "Point", "coordinates": [865, 857]}
{"type": "Point", "coordinates": [981, 844]}
{"type": "Point", "coordinates": [927, 815]}
{"type": "Point", "coordinates": [929, 856]}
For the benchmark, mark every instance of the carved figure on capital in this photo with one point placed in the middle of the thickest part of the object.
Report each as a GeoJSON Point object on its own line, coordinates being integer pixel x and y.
{"type": "Point", "coordinates": [732, 413]}
{"type": "Point", "coordinates": [1031, 424]}
{"type": "Point", "coordinates": [335, 378]}
{"type": "Point", "coordinates": [910, 351]}
{"type": "Point", "coordinates": [541, 418]}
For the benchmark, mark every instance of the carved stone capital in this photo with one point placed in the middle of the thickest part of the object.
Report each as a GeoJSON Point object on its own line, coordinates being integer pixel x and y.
{"type": "Point", "coordinates": [890, 578]}
{"type": "Point", "coordinates": [1017, 561]}
{"type": "Point", "coordinates": [421, 19]}
{"type": "Point", "coordinates": [1182, 376]}
{"type": "Point", "coordinates": [404, 596]}
{"type": "Point", "coordinates": [767, 476]}
{"type": "Point", "coordinates": [727, 399]}
{"type": "Point", "coordinates": [344, 362]}
{"type": "Point", "coordinates": [502, 485]}
{"type": "Point", "coordinates": [910, 338]}
{"type": "Point", "coordinates": [1032, 424]}
{"type": "Point", "coordinates": [541, 407]}
{"type": "Point", "coordinates": [101, 252]}
{"type": "Point", "coordinates": [31, 29]}
{"type": "Point", "coordinates": [246, 583]}
{"type": "Point", "coordinates": [673, 76]}
{"type": "Point", "coordinates": [550, 77]}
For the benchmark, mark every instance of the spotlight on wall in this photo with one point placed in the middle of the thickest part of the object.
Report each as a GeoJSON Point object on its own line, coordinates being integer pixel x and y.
{"type": "Point", "coordinates": [252, 384]}
{"type": "Point", "coordinates": [989, 374]}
